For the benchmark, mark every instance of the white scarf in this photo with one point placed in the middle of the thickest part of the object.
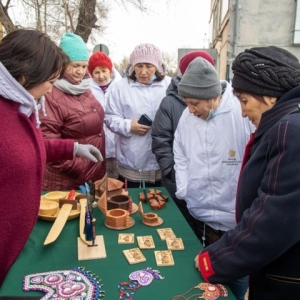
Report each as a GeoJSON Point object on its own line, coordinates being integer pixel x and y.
{"type": "Point", "coordinates": [73, 89]}
{"type": "Point", "coordinates": [11, 90]}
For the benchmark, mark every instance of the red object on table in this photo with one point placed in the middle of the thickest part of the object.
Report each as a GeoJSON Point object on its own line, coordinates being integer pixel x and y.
{"type": "Point", "coordinates": [71, 195]}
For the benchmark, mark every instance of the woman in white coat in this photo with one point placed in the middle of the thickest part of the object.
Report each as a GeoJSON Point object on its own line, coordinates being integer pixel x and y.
{"type": "Point", "coordinates": [140, 93]}
{"type": "Point", "coordinates": [208, 149]}
{"type": "Point", "coordinates": [104, 76]}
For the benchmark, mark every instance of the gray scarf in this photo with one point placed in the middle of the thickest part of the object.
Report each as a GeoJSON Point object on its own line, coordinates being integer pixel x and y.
{"type": "Point", "coordinates": [11, 90]}
{"type": "Point", "coordinates": [69, 88]}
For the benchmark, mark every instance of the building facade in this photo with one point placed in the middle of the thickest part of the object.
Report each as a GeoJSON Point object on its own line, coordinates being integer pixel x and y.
{"type": "Point", "coordinates": [240, 24]}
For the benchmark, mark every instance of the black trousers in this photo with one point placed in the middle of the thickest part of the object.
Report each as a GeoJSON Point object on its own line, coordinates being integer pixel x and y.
{"type": "Point", "coordinates": [211, 235]}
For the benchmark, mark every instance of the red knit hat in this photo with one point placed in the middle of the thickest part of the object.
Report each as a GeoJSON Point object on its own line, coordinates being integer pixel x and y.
{"type": "Point", "coordinates": [99, 59]}
{"type": "Point", "coordinates": [187, 58]}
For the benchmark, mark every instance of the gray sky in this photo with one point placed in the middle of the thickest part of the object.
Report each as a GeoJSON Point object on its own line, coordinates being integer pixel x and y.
{"type": "Point", "coordinates": [170, 25]}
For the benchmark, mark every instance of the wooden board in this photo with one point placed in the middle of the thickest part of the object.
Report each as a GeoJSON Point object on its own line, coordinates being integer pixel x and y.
{"type": "Point", "coordinates": [175, 244]}
{"type": "Point", "coordinates": [164, 258]}
{"type": "Point", "coordinates": [126, 238]}
{"type": "Point", "coordinates": [166, 233]}
{"type": "Point", "coordinates": [134, 256]}
{"type": "Point", "coordinates": [145, 242]}
{"type": "Point", "coordinates": [86, 252]}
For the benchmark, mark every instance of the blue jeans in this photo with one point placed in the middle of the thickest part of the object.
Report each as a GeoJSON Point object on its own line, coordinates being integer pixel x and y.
{"type": "Point", "coordinates": [239, 287]}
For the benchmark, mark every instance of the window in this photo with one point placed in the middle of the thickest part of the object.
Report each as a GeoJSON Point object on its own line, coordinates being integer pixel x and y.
{"type": "Point", "coordinates": [296, 38]}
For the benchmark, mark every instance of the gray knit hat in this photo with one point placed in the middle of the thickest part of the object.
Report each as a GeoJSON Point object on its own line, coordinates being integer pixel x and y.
{"type": "Point", "coordinates": [200, 81]}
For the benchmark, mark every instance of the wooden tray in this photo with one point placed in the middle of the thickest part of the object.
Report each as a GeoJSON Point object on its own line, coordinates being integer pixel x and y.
{"type": "Point", "coordinates": [73, 215]}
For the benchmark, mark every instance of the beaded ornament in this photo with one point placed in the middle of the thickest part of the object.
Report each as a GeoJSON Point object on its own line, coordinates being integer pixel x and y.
{"type": "Point", "coordinates": [211, 292]}
{"type": "Point", "coordinates": [73, 284]}
{"type": "Point", "coordinates": [137, 279]}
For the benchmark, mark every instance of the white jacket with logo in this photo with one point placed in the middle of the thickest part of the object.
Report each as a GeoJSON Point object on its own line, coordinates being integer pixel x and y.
{"type": "Point", "coordinates": [128, 100]}
{"type": "Point", "coordinates": [110, 138]}
{"type": "Point", "coordinates": [208, 156]}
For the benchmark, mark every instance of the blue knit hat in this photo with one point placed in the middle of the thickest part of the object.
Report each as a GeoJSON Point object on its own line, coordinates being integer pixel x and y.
{"type": "Point", "coordinates": [74, 46]}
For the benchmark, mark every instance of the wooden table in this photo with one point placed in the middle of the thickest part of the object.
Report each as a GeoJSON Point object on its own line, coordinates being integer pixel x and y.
{"type": "Point", "coordinates": [63, 253]}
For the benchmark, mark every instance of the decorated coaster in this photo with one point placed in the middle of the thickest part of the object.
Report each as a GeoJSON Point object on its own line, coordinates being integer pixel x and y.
{"type": "Point", "coordinates": [175, 244]}
{"type": "Point", "coordinates": [134, 256]}
{"type": "Point", "coordinates": [126, 238]}
{"type": "Point", "coordinates": [166, 233]}
{"type": "Point", "coordinates": [164, 258]}
{"type": "Point", "coordinates": [65, 284]}
{"type": "Point", "coordinates": [145, 242]}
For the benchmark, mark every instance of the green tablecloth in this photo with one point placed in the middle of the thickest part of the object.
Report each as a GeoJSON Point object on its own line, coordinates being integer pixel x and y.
{"type": "Point", "coordinates": [62, 255]}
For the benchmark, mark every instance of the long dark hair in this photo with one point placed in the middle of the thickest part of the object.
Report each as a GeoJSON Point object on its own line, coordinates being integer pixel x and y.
{"type": "Point", "coordinates": [31, 57]}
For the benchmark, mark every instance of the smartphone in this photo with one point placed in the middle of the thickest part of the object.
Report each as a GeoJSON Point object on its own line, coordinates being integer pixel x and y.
{"type": "Point", "coordinates": [145, 120]}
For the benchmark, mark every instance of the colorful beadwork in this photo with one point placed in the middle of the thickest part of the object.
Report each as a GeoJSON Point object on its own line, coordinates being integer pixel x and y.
{"type": "Point", "coordinates": [211, 292]}
{"type": "Point", "coordinates": [138, 278]}
{"type": "Point", "coordinates": [145, 276]}
{"type": "Point", "coordinates": [73, 284]}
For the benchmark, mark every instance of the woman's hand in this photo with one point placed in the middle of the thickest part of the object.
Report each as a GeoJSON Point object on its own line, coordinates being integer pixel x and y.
{"type": "Point", "coordinates": [138, 128]}
{"type": "Point", "coordinates": [88, 151]}
{"type": "Point", "coordinates": [196, 262]}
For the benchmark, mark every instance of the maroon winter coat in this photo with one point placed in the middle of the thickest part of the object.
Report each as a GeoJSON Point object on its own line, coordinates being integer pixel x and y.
{"type": "Point", "coordinates": [78, 117]}
{"type": "Point", "coordinates": [23, 153]}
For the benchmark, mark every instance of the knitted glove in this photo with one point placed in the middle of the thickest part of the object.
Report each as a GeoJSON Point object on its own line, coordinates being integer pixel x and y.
{"type": "Point", "coordinates": [87, 151]}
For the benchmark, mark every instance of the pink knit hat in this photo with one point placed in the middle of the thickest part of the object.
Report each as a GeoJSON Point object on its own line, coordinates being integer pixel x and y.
{"type": "Point", "coordinates": [99, 59]}
{"type": "Point", "coordinates": [146, 53]}
{"type": "Point", "coordinates": [187, 58]}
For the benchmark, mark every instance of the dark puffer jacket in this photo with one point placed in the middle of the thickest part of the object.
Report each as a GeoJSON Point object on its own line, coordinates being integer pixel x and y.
{"type": "Point", "coordinates": [78, 117]}
{"type": "Point", "coordinates": [163, 130]}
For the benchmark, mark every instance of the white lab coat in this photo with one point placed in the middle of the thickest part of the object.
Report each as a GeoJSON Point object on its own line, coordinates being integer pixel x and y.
{"type": "Point", "coordinates": [208, 156]}
{"type": "Point", "coordinates": [128, 100]}
{"type": "Point", "coordinates": [110, 138]}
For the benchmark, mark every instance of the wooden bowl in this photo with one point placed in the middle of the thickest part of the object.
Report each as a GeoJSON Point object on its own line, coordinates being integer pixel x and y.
{"type": "Point", "coordinates": [48, 208]}
{"type": "Point", "coordinates": [55, 196]}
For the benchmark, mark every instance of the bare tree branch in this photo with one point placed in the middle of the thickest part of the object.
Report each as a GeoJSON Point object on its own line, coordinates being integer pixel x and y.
{"type": "Point", "coordinates": [86, 19]}
{"type": "Point", "coordinates": [5, 19]}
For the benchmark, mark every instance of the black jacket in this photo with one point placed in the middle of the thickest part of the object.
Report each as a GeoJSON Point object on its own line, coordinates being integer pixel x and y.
{"type": "Point", "coordinates": [164, 126]}
{"type": "Point", "coordinates": [266, 241]}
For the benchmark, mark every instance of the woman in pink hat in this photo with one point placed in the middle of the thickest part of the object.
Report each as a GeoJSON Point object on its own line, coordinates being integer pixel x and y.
{"type": "Point", "coordinates": [140, 93]}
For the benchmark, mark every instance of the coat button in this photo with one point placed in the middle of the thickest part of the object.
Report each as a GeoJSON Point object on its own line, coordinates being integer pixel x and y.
{"type": "Point", "coordinates": [94, 110]}
{"type": "Point", "coordinates": [100, 134]}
